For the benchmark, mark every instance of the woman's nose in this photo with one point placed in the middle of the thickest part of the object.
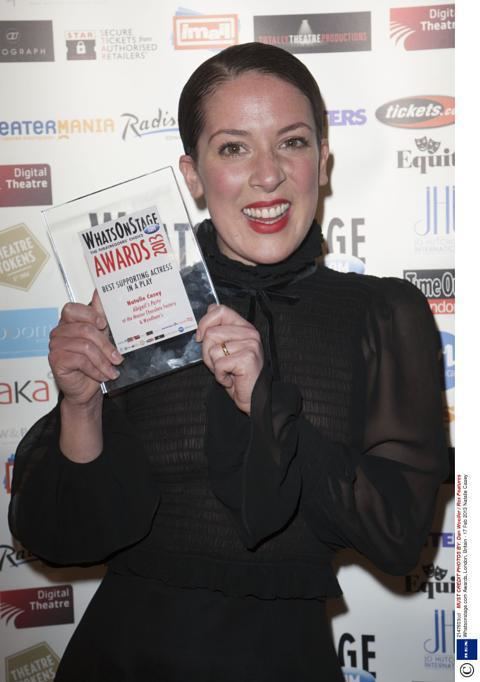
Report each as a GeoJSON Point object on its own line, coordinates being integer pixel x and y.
{"type": "Point", "coordinates": [267, 171]}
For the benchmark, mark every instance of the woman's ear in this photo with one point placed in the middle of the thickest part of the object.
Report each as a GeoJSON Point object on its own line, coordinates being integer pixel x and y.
{"type": "Point", "coordinates": [189, 171]}
{"type": "Point", "coordinates": [324, 154]}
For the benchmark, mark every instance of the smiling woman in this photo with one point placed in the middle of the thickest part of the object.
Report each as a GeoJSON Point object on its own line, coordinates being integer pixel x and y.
{"type": "Point", "coordinates": [219, 495]}
{"type": "Point", "coordinates": [259, 165]}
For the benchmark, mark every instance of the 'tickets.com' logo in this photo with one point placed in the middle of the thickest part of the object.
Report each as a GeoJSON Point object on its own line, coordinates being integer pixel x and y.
{"type": "Point", "coordinates": [37, 606]}
{"type": "Point", "coordinates": [438, 286]}
{"type": "Point", "coordinates": [423, 28]}
{"type": "Point", "coordinates": [422, 111]}
{"type": "Point", "coordinates": [25, 185]}
{"type": "Point", "coordinates": [200, 32]}
{"type": "Point", "coordinates": [26, 41]}
{"type": "Point", "coordinates": [332, 32]}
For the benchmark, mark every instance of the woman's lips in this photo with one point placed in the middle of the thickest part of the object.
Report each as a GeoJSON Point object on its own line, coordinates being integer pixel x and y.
{"type": "Point", "coordinates": [267, 217]}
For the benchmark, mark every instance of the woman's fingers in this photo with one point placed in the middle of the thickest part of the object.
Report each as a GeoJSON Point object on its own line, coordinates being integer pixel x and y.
{"type": "Point", "coordinates": [232, 350]}
{"type": "Point", "coordinates": [220, 315]}
{"type": "Point", "coordinates": [69, 353]}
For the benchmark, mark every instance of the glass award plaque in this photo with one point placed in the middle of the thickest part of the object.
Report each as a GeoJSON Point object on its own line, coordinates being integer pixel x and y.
{"type": "Point", "coordinates": [134, 243]}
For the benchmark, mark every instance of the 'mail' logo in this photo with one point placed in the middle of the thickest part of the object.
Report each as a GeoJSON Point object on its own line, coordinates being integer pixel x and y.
{"type": "Point", "coordinates": [200, 32]}
{"type": "Point", "coordinates": [424, 111]}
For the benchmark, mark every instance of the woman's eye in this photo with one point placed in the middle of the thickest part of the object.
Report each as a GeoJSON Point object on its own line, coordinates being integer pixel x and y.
{"type": "Point", "coordinates": [230, 149]}
{"type": "Point", "coordinates": [295, 143]}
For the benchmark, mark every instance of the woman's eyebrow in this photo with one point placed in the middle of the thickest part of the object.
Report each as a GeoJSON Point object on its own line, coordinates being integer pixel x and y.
{"type": "Point", "coordinates": [237, 132]}
{"type": "Point", "coordinates": [294, 126]}
{"type": "Point", "coordinates": [229, 131]}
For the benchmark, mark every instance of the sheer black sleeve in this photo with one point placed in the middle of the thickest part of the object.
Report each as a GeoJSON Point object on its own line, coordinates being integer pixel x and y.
{"type": "Point", "coordinates": [377, 496]}
{"type": "Point", "coordinates": [380, 500]}
{"type": "Point", "coordinates": [69, 513]}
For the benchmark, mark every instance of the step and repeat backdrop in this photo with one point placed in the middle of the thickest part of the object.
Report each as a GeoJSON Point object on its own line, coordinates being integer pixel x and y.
{"type": "Point", "coordinates": [89, 92]}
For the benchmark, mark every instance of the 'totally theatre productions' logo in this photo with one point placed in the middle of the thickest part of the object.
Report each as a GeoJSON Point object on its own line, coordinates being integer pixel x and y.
{"type": "Point", "coordinates": [422, 111]}
{"type": "Point", "coordinates": [25, 185]}
{"type": "Point", "coordinates": [37, 606]}
{"type": "Point", "coordinates": [26, 41]}
{"type": "Point", "coordinates": [199, 32]}
{"type": "Point", "coordinates": [423, 28]}
{"type": "Point", "coordinates": [333, 32]}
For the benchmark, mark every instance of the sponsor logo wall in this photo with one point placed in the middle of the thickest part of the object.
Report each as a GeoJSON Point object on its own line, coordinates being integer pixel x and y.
{"type": "Point", "coordinates": [95, 103]}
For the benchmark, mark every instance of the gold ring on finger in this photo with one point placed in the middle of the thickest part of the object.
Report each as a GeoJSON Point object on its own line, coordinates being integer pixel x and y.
{"type": "Point", "coordinates": [225, 349]}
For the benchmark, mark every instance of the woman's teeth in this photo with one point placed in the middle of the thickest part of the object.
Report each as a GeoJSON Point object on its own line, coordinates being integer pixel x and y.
{"type": "Point", "coordinates": [267, 212]}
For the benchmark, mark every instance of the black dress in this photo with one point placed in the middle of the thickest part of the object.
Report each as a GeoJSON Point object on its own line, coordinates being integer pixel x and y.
{"type": "Point", "coordinates": [219, 529]}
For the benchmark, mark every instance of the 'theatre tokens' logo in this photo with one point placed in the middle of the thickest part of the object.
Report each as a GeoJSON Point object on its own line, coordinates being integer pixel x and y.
{"type": "Point", "coordinates": [37, 606]}
{"type": "Point", "coordinates": [39, 662]}
{"type": "Point", "coordinates": [423, 28]}
{"type": "Point", "coordinates": [22, 257]}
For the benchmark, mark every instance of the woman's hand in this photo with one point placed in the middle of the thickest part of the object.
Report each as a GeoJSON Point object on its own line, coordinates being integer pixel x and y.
{"type": "Point", "coordinates": [232, 350]}
{"type": "Point", "coordinates": [81, 355]}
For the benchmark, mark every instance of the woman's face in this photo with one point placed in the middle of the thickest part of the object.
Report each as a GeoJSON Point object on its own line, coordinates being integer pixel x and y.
{"type": "Point", "coordinates": [258, 166]}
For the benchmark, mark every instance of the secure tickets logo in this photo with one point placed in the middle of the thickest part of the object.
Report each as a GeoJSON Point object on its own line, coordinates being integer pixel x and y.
{"type": "Point", "coordinates": [81, 45]}
{"type": "Point", "coordinates": [22, 257]}
{"type": "Point", "coordinates": [25, 185]}
{"type": "Point", "coordinates": [37, 606]}
{"type": "Point", "coordinates": [39, 662]}
{"type": "Point", "coordinates": [136, 274]}
{"type": "Point", "coordinates": [438, 286]}
{"type": "Point", "coordinates": [197, 32]}
{"type": "Point", "coordinates": [26, 41]}
{"type": "Point", "coordinates": [423, 28]}
{"type": "Point", "coordinates": [333, 32]}
{"type": "Point", "coordinates": [422, 111]}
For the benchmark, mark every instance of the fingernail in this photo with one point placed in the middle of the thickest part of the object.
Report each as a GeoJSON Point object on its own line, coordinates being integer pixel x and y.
{"type": "Point", "coordinates": [115, 373]}
{"type": "Point", "coordinates": [100, 322]}
{"type": "Point", "coordinates": [116, 355]}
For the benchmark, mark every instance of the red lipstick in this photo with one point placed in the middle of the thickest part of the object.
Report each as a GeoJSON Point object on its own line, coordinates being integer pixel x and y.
{"type": "Point", "coordinates": [267, 217]}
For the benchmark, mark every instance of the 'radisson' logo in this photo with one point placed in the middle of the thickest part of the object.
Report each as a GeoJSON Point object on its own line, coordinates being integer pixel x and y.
{"type": "Point", "coordinates": [424, 111]}
{"type": "Point", "coordinates": [200, 32]}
